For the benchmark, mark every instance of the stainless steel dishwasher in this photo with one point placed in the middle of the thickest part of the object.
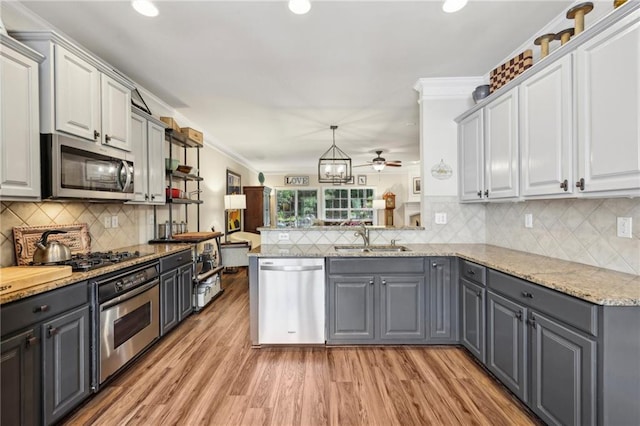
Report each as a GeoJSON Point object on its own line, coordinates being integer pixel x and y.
{"type": "Point", "coordinates": [291, 306]}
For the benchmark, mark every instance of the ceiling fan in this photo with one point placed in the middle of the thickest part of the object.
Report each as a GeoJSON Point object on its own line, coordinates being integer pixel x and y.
{"type": "Point", "coordinates": [379, 163]}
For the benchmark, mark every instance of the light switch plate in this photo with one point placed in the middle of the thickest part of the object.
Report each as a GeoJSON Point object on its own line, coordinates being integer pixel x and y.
{"type": "Point", "coordinates": [107, 222]}
{"type": "Point", "coordinates": [624, 227]}
{"type": "Point", "coordinates": [114, 221]}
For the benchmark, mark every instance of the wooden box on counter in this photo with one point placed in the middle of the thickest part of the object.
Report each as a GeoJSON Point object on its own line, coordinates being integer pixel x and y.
{"type": "Point", "coordinates": [257, 213]}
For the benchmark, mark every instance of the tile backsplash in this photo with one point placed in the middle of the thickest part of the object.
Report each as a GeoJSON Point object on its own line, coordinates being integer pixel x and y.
{"type": "Point", "coordinates": [52, 213]}
{"type": "Point", "coordinates": [582, 230]}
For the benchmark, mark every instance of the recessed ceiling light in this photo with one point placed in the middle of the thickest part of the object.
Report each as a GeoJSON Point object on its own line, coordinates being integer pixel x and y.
{"type": "Point", "coordinates": [145, 7]}
{"type": "Point", "coordinates": [451, 6]}
{"type": "Point", "coordinates": [299, 7]}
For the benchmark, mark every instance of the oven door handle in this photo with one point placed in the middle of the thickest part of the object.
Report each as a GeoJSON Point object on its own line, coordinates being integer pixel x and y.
{"type": "Point", "coordinates": [129, 295]}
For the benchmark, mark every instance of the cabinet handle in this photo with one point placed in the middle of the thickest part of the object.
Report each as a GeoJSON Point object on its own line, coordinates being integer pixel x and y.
{"type": "Point", "coordinates": [519, 316]}
{"type": "Point", "coordinates": [384, 282]}
{"type": "Point", "coordinates": [31, 341]}
{"type": "Point", "coordinates": [153, 197]}
{"type": "Point", "coordinates": [146, 196]}
{"type": "Point", "coordinates": [52, 331]}
{"type": "Point", "coordinates": [565, 185]}
{"type": "Point", "coordinates": [96, 134]}
{"type": "Point", "coordinates": [479, 293]}
{"type": "Point", "coordinates": [480, 194]}
{"type": "Point", "coordinates": [532, 322]}
{"type": "Point", "coordinates": [107, 138]}
{"type": "Point", "coordinates": [527, 294]}
{"type": "Point", "coordinates": [580, 184]}
{"type": "Point", "coordinates": [486, 193]}
{"type": "Point", "coordinates": [434, 265]}
{"type": "Point", "coordinates": [370, 282]}
{"type": "Point", "coordinates": [471, 272]}
{"type": "Point", "coordinates": [41, 308]}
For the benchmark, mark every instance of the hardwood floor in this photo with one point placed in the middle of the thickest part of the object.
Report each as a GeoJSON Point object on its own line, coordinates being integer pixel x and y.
{"type": "Point", "coordinates": [205, 372]}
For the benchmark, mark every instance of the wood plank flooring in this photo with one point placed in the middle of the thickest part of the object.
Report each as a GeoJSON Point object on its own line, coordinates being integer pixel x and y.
{"type": "Point", "coordinates": [205, 372]}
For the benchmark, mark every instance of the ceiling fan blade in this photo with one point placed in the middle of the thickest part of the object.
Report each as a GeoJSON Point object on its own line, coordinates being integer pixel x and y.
{"type": "Point", "coordinates": [393, 165]}
{"type": "Point", "coordinates": [394, 162]}
{"type": "Point", "coordinates": [362, 165]}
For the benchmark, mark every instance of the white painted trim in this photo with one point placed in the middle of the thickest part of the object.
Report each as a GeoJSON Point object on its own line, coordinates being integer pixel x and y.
{"type": "Point", "coordinates": [447, 88]}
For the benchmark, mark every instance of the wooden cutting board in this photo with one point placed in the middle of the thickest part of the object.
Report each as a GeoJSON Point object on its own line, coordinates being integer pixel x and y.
{"type": "Point", "coordinates": [14, 278]}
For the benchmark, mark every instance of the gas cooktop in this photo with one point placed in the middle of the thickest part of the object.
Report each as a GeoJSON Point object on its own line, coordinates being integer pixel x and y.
{"type": "Point", "coordinates": [95, 260]}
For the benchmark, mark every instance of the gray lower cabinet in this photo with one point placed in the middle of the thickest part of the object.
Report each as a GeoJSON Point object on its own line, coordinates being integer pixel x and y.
{"type": "Point", "coordinates": [472, 326]}
{"type": "Point", "coordinates": [563, 373]}
{"type": "Point", "coordinates": [376, 300]}
{"type": "Point", "coordinates": [442, 302]}
{"type": "Point", "coordinates": [507, 343]}
{"type": "Point", "coordinates": [402, 307]}
{"type": "Point", "coordinates": [351, 308]}
{"type": "Point", "coordinates": [185, 289]}
{"type": "Point", "coordinates": [168, 301]}
{"type": "Point", "coordinates": [176, 289]}
{"type": "Point", "coordinates": [20, 378]}
{"type": "Point", "coordinates": [65, 353]}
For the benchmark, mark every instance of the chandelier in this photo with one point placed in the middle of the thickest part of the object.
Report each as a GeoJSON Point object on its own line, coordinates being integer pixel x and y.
{"type": "Point", "coordinates": [334, 166]}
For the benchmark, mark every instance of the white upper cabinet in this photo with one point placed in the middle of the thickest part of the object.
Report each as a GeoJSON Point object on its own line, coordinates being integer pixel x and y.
{"type": "Point", "coordinates": [156, 166]}
{"type": "Point", "coordinates": [546, 131]}
{"type": "Point", "coordinates": [471, 157]}
{"type": "Point", "coordinates": [19, 122]}
{"type": "Point", "coordinates": [147, 136]}
{"type": "Point", "coordinates": [501, 147]}
{"type": "Point", "coordinates": [608, 100]}
{"type": "Point", "coordinates": [116, 110]}
{"type": "Point", "coordinates": [77, 95]}
{"type": "Point", "coordinates": [80, 94]}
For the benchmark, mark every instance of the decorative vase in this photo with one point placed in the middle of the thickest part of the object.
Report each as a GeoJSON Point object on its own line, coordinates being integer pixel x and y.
{"type": "Point", "coordinates": [261, 178]}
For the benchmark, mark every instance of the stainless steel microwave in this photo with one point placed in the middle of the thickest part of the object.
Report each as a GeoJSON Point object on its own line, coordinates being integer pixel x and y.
{"type": "Point", "coordinates": [76, 168]}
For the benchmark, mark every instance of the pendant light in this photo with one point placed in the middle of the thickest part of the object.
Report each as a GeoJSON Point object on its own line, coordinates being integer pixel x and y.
{"type": "Point", "coordinates": [452, 6]}
{"type": "Point", "coordinates": [334, 166]}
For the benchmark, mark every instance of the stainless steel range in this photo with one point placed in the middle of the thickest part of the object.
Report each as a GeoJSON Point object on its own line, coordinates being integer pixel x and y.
{"type": "Point", "coordinates": [128, 315]}
{"type": "Point", "coordinates": [89, 261]}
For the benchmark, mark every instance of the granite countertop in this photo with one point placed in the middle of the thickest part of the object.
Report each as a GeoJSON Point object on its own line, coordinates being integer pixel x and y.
{"type": "Point", "coordinates": [596, 285]}
{"type": "Point", "coordinates": [148, 252]}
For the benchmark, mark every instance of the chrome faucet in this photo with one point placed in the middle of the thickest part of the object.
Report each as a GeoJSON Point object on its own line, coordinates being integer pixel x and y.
{"type": "Point", "coordinates": [364, 233]}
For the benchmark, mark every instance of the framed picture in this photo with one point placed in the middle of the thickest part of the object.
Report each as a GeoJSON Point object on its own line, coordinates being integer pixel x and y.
{"type": "Point", "coordinates": [233, 218]}
{"type": "Point", "coordinates": [351, 181]}
{"type": "Point", "coordinates": [362, 179]}
{"type": "Point", "coordinates": [417, 185]}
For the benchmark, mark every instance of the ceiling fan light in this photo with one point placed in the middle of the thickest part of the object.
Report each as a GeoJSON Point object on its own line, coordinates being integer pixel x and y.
{"type": "Point", "coordinates": [145, 7]}
{"type": "Point", "coordinates": [451, 6]}
{"type": "Point", "coordinates": [378, 167]}
{"type": "Point", "coordinates": [299, 7]}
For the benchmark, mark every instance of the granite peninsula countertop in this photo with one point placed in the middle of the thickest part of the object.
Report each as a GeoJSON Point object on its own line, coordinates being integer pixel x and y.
{"type": "Point", "coordinates": [148, 252]}
{"type": "Point", "coordinates": [596, 285]}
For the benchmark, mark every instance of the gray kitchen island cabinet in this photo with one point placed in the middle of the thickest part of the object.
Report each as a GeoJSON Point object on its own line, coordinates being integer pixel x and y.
{"type": "Point", "coordinates": [377, 300]}
{"type": "Point", "coordinates": [442, 302]}
{"type": "Point", "coordinates": [66, 364]}
{"type": "Point", "coordinates": [472, 307]}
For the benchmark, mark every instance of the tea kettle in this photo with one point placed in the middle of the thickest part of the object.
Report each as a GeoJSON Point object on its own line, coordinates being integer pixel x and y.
{"type": "Point", "coordinates": [52, 251]}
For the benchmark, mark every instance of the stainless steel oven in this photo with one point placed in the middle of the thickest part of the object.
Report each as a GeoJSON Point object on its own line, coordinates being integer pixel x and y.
{"type": "Point", "coordinates": [129, 316]}
{"type": "Point", "coordinates": [76, 168]}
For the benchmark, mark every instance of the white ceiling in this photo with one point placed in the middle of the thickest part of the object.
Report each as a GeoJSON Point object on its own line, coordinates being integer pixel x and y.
{"type": "Point", "coordinates": [266, 84]}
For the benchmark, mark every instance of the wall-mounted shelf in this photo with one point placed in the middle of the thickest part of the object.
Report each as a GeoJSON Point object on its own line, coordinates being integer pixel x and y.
{"type": "Point", "coordinates": [183, 201]}
{"type": "Point", "coordinates": [184, 176]}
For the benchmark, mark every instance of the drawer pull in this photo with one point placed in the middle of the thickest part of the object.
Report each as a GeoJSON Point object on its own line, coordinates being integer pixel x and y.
{"type": "Point", "coordinates": [471, 272]}
{"type": "Point", "coordinates": [31, 341]}
{"type": "Point", "coordinates": [384, 282]}
{"type": "Point", "coordinates": [42, 308]}
{"type": "Point", "coordinates": [52, 331]}
{"type": "Point", "coordinates": [527, 294]}
{"type": "Point", "coordinates": [434, 265]}
{"type": "Point", "coordinates": [519, 316]}
{"type": "Point", "coordinates": [532, 322]}
{"type": "Point", "coordinates": [370, 282]}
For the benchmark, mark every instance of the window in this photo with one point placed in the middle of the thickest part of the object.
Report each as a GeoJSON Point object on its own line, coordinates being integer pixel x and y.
{"type": "Point", "coordinates": [296, 207]}
{"type": "Point", "coordinates": [348, 204]}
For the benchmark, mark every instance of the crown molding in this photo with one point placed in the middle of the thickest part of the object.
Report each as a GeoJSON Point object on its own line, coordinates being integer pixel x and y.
{"type": "Point", "coordinates": [447, 87]}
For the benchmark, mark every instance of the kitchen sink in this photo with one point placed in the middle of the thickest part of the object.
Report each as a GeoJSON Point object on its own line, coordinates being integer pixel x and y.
{"type": "Point", "coordinates": [370, 249]}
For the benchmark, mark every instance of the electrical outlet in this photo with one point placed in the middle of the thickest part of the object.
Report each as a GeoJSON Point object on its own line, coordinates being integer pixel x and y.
{"type": "Point", "coordinates": [441, 218]}
{"type": "Point", "coordinates": [114, 221]}
{"type": "Point", "coordinates": [624, 227]}
{"type": "Point", "coordinates": [528, 220]}
{"type": "Point", "coordinates": [107, 221]}
{"type": "Point", "coordinates": [283, 236]}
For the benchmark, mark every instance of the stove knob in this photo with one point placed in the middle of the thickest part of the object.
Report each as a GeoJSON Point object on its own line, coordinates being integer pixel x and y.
{"type": "Point", "coordinates": [119, 286]}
